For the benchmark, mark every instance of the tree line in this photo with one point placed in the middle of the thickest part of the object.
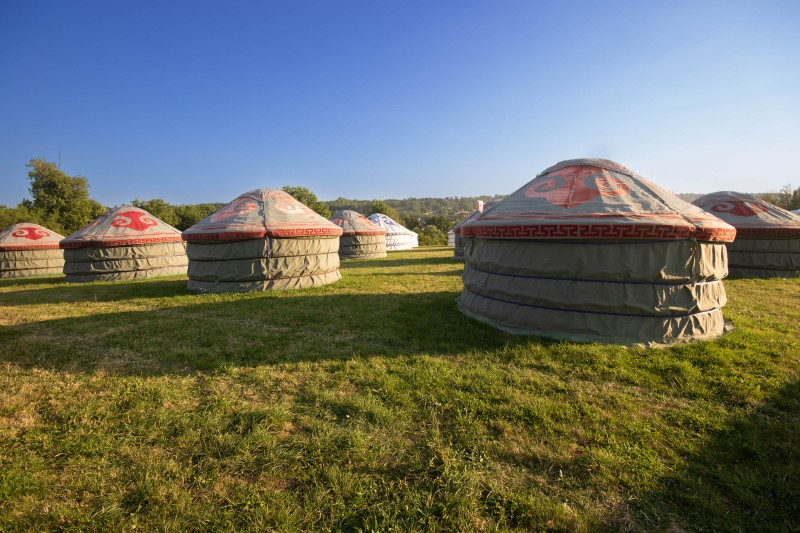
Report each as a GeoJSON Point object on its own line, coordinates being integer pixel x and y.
{"type": "Point", "coordinates": [62, 203]}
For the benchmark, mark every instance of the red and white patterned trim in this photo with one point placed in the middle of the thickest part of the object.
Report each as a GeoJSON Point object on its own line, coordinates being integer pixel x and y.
{"type": "Point", "coordinates": [25, 247]}
{"type": "Point", "coordinates": [129, 241]}
{"type": "Point", "coordinates": [598, 231]}
{"type": "Point", "coordinates": [768, 231]}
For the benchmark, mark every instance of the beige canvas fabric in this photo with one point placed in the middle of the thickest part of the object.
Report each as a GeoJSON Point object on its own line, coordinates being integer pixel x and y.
{"type": "Point", "coordinates": [124, 243]}
{"type": "Point", "coordinates": [362, 246]}
{"type": "Point", "coordinates": [263, 240]}
{"type": "Point", "coordinates": [650, 274]}
{"type": "Point", "coordinates": [263, 264]}
{"type": "Point", "coordinates": [767, 241]}
{"type": "Point", "coordinates": [28, 249]}
{"type": "Point", "coordinates": [361, 239]}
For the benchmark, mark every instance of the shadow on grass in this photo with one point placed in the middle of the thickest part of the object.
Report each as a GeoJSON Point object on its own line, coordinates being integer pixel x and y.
{"type": "Point", "coordinates": [746, 478]}
{"type": "Point", "coordinates": [249, 330]}
{"type": "Point", "coordinates": [33, 280]}
{"type": "Point", "coordinates": [395, 262]}
{"type": "Point", "coordinates": [111, 291]}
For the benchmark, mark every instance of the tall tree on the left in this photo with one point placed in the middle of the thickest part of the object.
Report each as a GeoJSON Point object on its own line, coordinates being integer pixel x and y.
{"type": "Point", "coordinates": [60, 199]}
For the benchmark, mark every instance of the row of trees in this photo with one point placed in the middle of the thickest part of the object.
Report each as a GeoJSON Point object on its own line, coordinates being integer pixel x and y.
{"type": "Point", "coordinates": [62, 203]}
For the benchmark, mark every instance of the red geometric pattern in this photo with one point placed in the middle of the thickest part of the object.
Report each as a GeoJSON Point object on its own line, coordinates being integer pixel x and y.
{"type": "Point", "coordinates": [260, 234]}
{"type": "Point", "coordinates": [598, 231]}
{"type": "Point", "coordinates": [127, 241]}
{"type": "Point", "coordinates": [768, 231]}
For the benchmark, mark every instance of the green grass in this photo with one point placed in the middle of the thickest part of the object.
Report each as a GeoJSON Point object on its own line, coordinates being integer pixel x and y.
{"type": "Point", "coordinates": [373, 404]}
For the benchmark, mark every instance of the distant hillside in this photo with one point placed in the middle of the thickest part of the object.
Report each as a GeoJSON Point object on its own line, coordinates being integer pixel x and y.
{"type": "Point", "coordinates": [453, 208]}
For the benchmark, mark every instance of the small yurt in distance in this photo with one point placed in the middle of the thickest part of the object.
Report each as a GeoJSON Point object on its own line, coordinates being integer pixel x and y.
{"type": "Point", "coordinates": [263, 240]}
{"type": "Point", "coordinates": [398, 237]}
{"type": "Point", "coordinates": [28, 249]}
{"type": "Point", "coordinates": [124, 243]}
{"type": "Point", "coordinates": [767, 241]}
{"type": "Point", "coordinates": [590, 251]}
{"type": "Point", "coordinates": [361, 239]}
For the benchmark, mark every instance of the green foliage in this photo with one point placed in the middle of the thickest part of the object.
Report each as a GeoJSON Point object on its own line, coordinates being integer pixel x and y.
{"type": "Point", "coordinates": [786, 197]}
{"type": "Point", "coordinates": [430, 235]}
{"type": "Point", "coordinates": [14, 215]}
{"type": "Point", "coordinates": [372, 404]}
{"type": "Point", "coordinates": [160, 209]}
{"type": "Point", "coordinates": [59, 199]}
{"type": "Point", "coordinates": [451, 208]}
{"type": "Point", "coordinates": [309, 199]}
{"type": "Point", "coordinates": [380, 206]}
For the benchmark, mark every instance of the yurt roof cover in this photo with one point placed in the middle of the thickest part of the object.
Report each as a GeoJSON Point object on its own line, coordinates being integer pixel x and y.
{"type": "Point", "coordinates": [595, 199]}
{"type": "Point", "coordinates": [262, 213]}
{"type": "Point", "coordinates": [125, 225]}
{"type": "Point", "coordinates": [750, 215]}
{"type": "Point", "coordinates": [486, 205]}
{"type": "Point", "coordinates": [28, 236]}
{"type": "Point", "coordinates": [391, 226]}
{"type": "Point", "coordinates": [353, 223]}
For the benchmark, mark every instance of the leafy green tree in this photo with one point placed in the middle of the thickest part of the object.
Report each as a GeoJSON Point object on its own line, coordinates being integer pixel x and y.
{"type": "Point", "coordinates": [14, 215]}
{"type": "Point", "coordinates": [443, 223]}
{"type": "Point", "coordinates": [160, 209]}
{"type": "Point", "coordinates": [60, 198]}
{"type": "Point", "coordinates": [190, 214]}
{"type": "Point", "coordinates": [380, 206]}
{"type": "Point", "coordinates": [309, 199]}
{"type": "Point", "coordinates": [432, 236]}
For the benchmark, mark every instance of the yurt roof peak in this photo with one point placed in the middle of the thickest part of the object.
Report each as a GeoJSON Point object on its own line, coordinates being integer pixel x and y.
{"type": "Point", "coordinates": [262, 213]}
{"type": "Point", "coordinates": [595, 199]}
{"type": "Point", "coordinates": [28, 236]}
{"type": "Point", "coordinates": [124, 225]}
{"type": "Point", "coordinates": [750, 215]}
{"type": "Point", "coordinates": [353, 223]}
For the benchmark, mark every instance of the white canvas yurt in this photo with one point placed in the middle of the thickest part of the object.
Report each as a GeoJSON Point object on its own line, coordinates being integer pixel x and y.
{"type": "Point", "coordinates": [28, 249]}
{"type": "Point", "coordinates": [398, 237]}
{"type": "Point", "coordinates": [361, 239]}
{"type": "Point", "coordinates": [590, 251]}
{"type": "Point", "coordinates": [263, 240]}
{"type": "Point", "coordinates": [124, 243]}
{"type": "Point", "coordinates": [767, 241]}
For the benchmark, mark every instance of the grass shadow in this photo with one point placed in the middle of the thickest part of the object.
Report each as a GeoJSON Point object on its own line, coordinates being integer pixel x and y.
{"type": "Point", "coordinates": [744, 478]}
{"type": "Point", "coordinates": [104, 291]}
{"type": "Point", "coordinates": [203, 333]}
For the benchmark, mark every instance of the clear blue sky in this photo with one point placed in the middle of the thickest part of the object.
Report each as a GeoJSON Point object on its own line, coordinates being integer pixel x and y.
{"type": "Point", "coordinates": [200, 101]}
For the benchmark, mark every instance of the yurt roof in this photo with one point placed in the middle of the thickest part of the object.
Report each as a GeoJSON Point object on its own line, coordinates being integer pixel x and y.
{"type": "Point", "coordinates": [125, 225]}
{"type": "Point", "coordinates": [262, 213]}
{"type": "Point", "coordinates": [486, 205]}
{"type": "Point", "coordinates": [750, 215]}
{"type": "Point", "coordinates": [391, 226]}
{"type": "Point", "coordinates": [595, 199]}
{"type": "Point", "coordinates": [353, 223]}
{"type": "Point", "coordinates": [28, 236]}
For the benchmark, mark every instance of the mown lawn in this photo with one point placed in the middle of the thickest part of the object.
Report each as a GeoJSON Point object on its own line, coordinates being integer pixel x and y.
{"type": "Point", "coordinates": [373, 404]}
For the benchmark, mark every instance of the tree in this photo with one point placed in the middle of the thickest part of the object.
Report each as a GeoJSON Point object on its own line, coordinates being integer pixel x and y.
{"type": "Point", "coordinates": [160, 209]}
{"type": "Point", "coordinates": [309, 199]}
{"type": "Point", "coordinates": [432, 236]}
{"type": "Point", "coordinates": [380, 206]}
{"type": "Point", "coordinates": [60, 198]}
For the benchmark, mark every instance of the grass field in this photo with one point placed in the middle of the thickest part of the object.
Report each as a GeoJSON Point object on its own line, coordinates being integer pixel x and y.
{"type": "Point", "coordinates": [373, 404]}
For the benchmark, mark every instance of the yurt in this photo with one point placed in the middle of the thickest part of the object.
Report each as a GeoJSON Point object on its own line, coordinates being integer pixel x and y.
{"type": "Point", "coordinates": [30, 250]}
{"type": "Point", "coordinates": [361, 239]}
{"type": "Point", "coordinates": [124, 243]}
{"type": "Point", "coordinates": [263, 240]}
{"type": "Point", "coordinates": [767, 241]}
{"type": "Point", "coordinates": [451, 238]}
{"type": "Point", "coordinates": [458, 245]}
{"type": "Point", "coordinates": [590, 251]}
{"type": "Point", "coordinates": [398, 237]}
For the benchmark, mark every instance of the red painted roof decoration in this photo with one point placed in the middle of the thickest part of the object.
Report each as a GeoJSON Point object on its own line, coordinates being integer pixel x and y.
{"type": "Point", "coordinates": [261, 213]}
{"type": "Point", "coordinates": [750, 215]}
{"type": "Point", "coordinates": [125, 225]}
{"type": "Point", "coordinates": [28, 236]}
{"type": "Point", "coordinates": [594, 199]}
{"type": "Point", "coordinates": [353, 223]}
